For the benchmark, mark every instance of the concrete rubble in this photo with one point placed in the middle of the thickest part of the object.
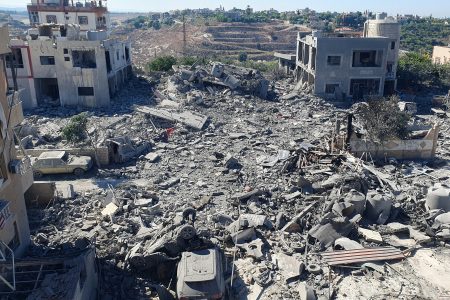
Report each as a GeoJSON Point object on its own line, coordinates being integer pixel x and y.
{"type": "Point", "coordinates": [222, 166]}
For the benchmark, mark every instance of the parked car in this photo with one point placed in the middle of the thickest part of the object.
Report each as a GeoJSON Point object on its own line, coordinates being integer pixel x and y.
{"type": "Point", "coordinates": [60, 162]}
{"type": "Point", "coordinates": [200, 275]}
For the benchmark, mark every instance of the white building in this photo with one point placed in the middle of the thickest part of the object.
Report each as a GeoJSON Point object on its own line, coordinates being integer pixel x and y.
{"type": "Point", "coordinates": [69, 64]}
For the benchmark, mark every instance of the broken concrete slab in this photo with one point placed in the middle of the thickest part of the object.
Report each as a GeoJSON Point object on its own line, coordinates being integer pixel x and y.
{"type": "Point", "coordinates": [289, 266]}
{"type": "Point", "coordinates": [345, 243]}
{"type": "Point", "coordinates": [370, 235]}
{"type": "Point", "coordinates": [110, 210]}
{"type": "Point", "coordinates": [188, 118]}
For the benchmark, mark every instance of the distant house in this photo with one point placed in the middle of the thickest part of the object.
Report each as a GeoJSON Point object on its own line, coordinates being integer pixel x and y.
{"type": "Point", "coordinates": [441, 55]}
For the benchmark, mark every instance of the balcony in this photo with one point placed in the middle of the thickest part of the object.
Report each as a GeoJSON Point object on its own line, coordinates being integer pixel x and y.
{"type": "Point", "coordinates": [15, 105]}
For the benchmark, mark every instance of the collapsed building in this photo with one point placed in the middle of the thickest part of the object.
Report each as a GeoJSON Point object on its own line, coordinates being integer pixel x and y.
{"type": "Point", "coordinates": [69, 57]}
{"type": "Point", "coordinates": [340, 66]}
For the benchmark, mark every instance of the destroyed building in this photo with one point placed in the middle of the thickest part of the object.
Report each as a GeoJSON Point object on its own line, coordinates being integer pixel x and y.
{"type": "Point", "coordinates": [16, 174]}
{"type": "Point", "coordinates": [338, 66]}
{"type": "Point", "coordinates": [69, 57]}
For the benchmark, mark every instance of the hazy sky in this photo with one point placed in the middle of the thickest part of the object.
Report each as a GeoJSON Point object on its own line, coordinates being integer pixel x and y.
{"type": "Point", "coordinates": [438, 8]}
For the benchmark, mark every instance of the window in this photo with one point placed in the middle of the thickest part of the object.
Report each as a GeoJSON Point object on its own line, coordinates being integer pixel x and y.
{"type": "Point", "coordinates": [331, 88]}
{"type": "Point", "coordinates": [66, 58]}
{"type": "Point", "coordinates": [83, 20]}
{"type": "Point", "coordinates": [85, 91]}
{"type": "Point", "coordinates": [118, 55]}
{"type": "Point", "coordinates": [367, 59]}
{"type": "Point", "coordinates": [66, 51]}
{"type": "Point", "coordinates": [362, 87]}
{"type": "Point", "coordinates": [15, 59]}
{"type": "Point", "coordinates": [84, 59]}
{"type": "Point", "coordinates": [392, 45]}
{"type": "Point", "coordinates": [47, 60]}
{"type": "Point", "coordinates": [51, 19]}
{"type": "Point", "coordinates": [34, 17]}
{"type": "Point", "coordinates": [334, 60]}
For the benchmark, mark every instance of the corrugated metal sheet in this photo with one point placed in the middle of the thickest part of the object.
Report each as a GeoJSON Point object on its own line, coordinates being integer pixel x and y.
{"type": "Point", "coordinates": [345, 257]}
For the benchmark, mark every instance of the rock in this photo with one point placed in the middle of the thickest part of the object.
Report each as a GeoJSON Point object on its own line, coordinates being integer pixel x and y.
{"type": "Point", "coordinates": [152, 157]}
{"type": "Point", "coordinates": [110, 210]}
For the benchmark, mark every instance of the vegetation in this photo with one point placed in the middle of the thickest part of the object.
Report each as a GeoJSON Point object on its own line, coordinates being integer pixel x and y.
{"type": "Point", "coordinates": [76, 130]}
{"type": "Point", "coordinates": [163, 63]}
{"type": "Point", "coordinates": [417, 71]}
{"type": "Point", "coordinates": [142, 22]}
{"type": "Point", "coordinates": [421, 35]}
{"type": "Point", "coordinates": [243, 56]}
{"type": "Point", "coordinates": [383, 120]}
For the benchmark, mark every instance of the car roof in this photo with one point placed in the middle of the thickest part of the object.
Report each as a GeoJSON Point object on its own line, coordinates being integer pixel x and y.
{"type": "Point", "coordinates": [52, 154]}
{"type": "Point", "coordinates": [200, 265]}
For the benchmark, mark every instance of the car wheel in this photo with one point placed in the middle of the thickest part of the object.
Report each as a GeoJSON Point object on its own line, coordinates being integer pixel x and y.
{"type": "Point", "coordinates": [187, 232]}
{"type": "Point", "coordinates": [78, 172]}
{"type": "Point", "coordinates": [37, 174]}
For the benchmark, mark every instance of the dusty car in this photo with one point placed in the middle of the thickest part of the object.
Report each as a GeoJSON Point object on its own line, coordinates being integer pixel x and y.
{"type": "Point", "coordinates": [200, 275]}
{"type": "Point", "coordinates": [60, 162]}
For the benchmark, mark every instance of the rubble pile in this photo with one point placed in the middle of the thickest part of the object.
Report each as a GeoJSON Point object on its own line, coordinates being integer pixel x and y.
{"type": "Point", "coordinates": [259, 180]}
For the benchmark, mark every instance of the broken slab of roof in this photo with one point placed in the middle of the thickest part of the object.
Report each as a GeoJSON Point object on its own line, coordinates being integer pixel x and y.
{"type": "Point", "coordinates": [285, 56]}
{"type": "Point", "coordinates": [188, 118]}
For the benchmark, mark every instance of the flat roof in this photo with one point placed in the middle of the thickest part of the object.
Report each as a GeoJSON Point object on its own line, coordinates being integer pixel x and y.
{"type": "Point", "coordinates": [52, 154]}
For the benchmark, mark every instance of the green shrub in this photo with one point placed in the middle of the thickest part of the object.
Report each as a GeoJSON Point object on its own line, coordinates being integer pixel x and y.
{"type": "Point", "coordinates": [243, 56]}
{"type": "Point", "coordinates": [76, 130]}
{"type": "Point", "coordinates": [163, 63]}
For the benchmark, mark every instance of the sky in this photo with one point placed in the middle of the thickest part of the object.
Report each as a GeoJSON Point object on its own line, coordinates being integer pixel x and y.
{"type": "Point", "coordinates": [437, 8]}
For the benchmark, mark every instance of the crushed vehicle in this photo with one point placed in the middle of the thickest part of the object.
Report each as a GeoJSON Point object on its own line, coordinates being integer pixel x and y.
{"type": "Point", "coordinates": [60, 162]}
{"type": "Point", "coordinates": [200, 275]}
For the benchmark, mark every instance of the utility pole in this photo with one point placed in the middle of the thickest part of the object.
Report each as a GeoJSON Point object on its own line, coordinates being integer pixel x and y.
{"type": "Point", "coordinates": [184, 35]}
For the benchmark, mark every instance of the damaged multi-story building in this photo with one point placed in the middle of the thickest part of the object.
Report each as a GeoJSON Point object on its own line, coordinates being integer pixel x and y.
{"type": "Point", "coordinates": [16, 176]}
{"type": "Point", "coordinates": [69, 57]}
{"type": "Point", "coordinates": [343, 66]}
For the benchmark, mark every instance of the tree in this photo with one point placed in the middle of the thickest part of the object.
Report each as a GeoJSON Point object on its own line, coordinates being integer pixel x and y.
{"type": "Point", "coordinates": [163, 63]}
{"type": "Point", "coordinates": [243, 56]}
{"type": "Point", "coordinates": [75, 130]}
{"type": "Point", "coordinates": [383, 120]}
{"type": "Point", "coordinates": [156, 25]}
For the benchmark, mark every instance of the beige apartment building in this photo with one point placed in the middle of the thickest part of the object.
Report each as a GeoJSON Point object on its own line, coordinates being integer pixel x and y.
{"type": "Point", "coordinates": [16, 176]}
{"type": "Point", "coordinates": [441, 55]}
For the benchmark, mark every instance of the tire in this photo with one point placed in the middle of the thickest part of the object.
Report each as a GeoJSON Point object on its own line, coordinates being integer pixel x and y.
{"type": "Point", "coordinates": [78, 172]}
{"type": "Point", "coordinates": [37, 174]}
{"type": "Point", "coordinates": [186, 232]}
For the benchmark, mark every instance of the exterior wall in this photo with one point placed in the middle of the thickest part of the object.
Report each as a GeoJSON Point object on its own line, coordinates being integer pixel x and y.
{"type": "Point", "coordinates": [12, 186]}
{"type": "Point", "coordinates": [70, 77]}
{"type": "Point", "coordinates": [323, 74]}
{"type": "Point", "coordinates": [441, 55]}
{"type": "Point", "coordinates": [344, 73]}
{"type": "Point", "coordinates": [422, 149]}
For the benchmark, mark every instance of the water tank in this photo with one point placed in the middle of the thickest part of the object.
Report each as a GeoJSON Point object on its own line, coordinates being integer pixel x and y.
{"type": "Point", "coordinates": [97, 35]}
{"type": "Point", "coordinates": [438, 197]}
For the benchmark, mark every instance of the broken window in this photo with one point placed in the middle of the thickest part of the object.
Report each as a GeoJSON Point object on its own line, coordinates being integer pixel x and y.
{"type": "Point", "coordinates": [127, 53]}
{"type": "Point", "coordinates": [392, 45]}
{"type": "Point", "coordinates": [331, 88]}
{"type": "Point", "coordinates": [83, 20]}
{"type": "Point", "coordinates": [51, 19]}
{"type": "Point", "coordinates": [15, 59]}
{"type": "Point", "coordinates": [85, 91]}
{"type": "Point", "coordinates": [362, 87]}
{"type": "Point", "coordinates": [101, 22]}
{"type": "Point", "coordinates": [108, 62]}
{"type": "Point", "coordinates": [334, 60]}
{"type": "Point", "coordinates": [34, 17]}
{"type": "Point", "coordinates": [47, 60]}
{"type": "Point", "coordinates": [365, 59]}
{"type": "Point", "coordinates": [84, 59]}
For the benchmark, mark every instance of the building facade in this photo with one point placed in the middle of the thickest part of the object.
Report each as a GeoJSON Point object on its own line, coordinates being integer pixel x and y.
{"type": "Point", "coordinates": [344, 66]}
{"type": "Point", "coordinates": [90, 15]}
{"type": "Point", "coordinates": [441, 55]}
{"type": "Point", "coordinates": [65, 64]}
{"type": "Point", "coordinates": [16, 175]}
